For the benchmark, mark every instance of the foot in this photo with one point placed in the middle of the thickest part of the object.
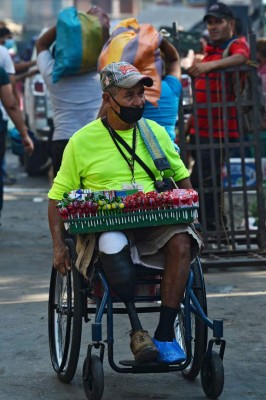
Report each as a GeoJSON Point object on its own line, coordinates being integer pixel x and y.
{"type": "Point", "coordinates": [142, 346]}
{"type": "Point", "coordinates": [9, 180]}
{"type": "Point", "coordinates": [169, 352]}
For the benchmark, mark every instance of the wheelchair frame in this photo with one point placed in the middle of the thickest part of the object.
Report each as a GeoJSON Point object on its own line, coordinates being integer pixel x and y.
{"type": "Point", "coordinates": [68, 306]}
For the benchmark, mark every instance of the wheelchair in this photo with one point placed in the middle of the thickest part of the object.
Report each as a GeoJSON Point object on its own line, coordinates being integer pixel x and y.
{"type": "Point", "coordinates": [72, 300]}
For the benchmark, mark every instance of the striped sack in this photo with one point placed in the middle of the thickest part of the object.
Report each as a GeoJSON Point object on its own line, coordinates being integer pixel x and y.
{"type": "Point", "coordinates": [137, 44]}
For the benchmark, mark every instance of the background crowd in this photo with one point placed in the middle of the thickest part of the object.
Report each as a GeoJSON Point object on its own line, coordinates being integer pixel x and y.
{"type": "Point", "coordinates": [76, 100]}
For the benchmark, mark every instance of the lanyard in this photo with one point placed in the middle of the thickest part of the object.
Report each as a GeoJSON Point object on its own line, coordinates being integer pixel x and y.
{"type": "Point", "coordinates": [116, 138]}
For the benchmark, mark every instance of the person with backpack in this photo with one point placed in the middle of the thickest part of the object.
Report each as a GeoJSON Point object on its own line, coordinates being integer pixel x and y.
{"type": "Point", "coordinates": [166, 112]}
{"type": "Point", "coordinates": [220, 22]}
{"type": "Point", "coordinates": [76, 97]}
{"type": "Point", "coordinates": [104, 155]}
{"type": "Point", "coordinates": [150, 51]}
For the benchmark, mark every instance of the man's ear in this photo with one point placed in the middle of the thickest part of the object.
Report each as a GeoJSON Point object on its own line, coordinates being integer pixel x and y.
{"type": "Point", "coordinates": [106, 97]}
{"type": "Point", "coordinates": [233, 26]}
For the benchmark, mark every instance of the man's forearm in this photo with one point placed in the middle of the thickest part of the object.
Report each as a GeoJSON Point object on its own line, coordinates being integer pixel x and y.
{"type": "Point", "coordinates": [23, 66]}
{"type": "Point", "coordinates": [55, 223]}
{"type": "Point", "coordinates": [15, 114]}
{"type": "Point", "coordinates": [13, 82]}
{"type": "Point", "coordinates": [46, 40]}
{"type": "Point", "coordinates": [228, 62]}
{"type": "Point", "coordinates": [61, 260]}
{"type": "Point", "coordinates": [184, 184]}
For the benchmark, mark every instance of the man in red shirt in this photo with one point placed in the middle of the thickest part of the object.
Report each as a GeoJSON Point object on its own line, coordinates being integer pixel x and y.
{"type": "Point", "coordinates": [221, 26]}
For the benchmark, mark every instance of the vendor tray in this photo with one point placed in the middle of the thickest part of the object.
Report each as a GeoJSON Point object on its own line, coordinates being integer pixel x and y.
{"type": "Point", "coordinates": [130, 220]}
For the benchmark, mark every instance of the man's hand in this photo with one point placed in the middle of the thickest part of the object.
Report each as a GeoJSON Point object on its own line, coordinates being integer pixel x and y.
{"type": "Point", "coordinates": [62, 259]}
{"type": "Point", "coordinates": [200, 68]}
{"type": "Point", "coordinates": [28, 144]}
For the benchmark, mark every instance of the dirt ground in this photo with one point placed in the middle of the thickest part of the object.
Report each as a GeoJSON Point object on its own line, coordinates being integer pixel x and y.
{"type": "Point", "coordinates": [236, 295]}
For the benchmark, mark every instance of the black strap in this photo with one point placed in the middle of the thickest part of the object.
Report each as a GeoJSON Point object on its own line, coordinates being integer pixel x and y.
{"type": "Point", "coordinates": [131, 162]}
{"type": "Point", "coordinates": [129, 149]}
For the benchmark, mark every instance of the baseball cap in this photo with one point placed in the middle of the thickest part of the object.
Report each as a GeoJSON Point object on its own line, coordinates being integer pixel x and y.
{"type": "Point", "coordinates": [219, 10]}
{"type": "Point", "coordinates": [122, 74]}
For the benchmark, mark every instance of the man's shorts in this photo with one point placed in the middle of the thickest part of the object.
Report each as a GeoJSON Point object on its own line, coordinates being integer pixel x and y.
{"type": "Point", "coordinates": [147, 243]}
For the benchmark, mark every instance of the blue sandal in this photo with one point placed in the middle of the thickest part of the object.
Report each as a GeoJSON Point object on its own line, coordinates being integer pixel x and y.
{"type": "Point", "coordinates": [169, 352]}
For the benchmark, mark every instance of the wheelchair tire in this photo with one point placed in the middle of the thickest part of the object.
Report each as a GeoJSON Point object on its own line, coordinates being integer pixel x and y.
{"type": "Point", "coordinates": [212, 375]}
{"type": "Point", "coordinates": [93, 377]}
{"type": "Point", "coordinates": [198, 329]}
{"type": "Point", "coordinates": [65, 311]}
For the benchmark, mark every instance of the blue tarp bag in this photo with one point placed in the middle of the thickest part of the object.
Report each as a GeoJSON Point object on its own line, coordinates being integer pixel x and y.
{"type": "Point", "coordinates": [79, 40]}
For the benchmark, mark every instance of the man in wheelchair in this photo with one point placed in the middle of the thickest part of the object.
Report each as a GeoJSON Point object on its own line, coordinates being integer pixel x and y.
{"type": "Point", "coordinates": [97, 158]}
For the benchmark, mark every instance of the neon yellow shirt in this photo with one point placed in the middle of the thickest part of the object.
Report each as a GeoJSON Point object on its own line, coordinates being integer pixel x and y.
{"type": "Point", "coordinates": [92, 161]}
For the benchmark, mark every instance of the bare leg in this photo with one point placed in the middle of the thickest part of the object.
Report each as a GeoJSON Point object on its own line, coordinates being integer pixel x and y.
{"type": "Point", "coordinates": [176, 270]}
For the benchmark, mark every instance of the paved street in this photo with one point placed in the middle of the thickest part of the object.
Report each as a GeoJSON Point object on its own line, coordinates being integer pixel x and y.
{"type": "Point", "coordinates": [237, 295]}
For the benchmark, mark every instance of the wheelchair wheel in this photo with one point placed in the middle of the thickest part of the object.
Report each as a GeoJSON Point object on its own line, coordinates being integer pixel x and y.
{"type": "Point", "coordinates": [65, 313]}
{"type": "Point", "coordinates": [93, 378]}
{"type": "Point", "coordinates": [199, 330]}
{"type": "Point", "coordinates": [212, 375]}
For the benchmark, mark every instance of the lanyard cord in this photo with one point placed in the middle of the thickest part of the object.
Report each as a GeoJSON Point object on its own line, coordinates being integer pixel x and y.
{"type": "Point", "coordinates": [136, 157]}
{"type": "Point", "coordinates": [116, 138]}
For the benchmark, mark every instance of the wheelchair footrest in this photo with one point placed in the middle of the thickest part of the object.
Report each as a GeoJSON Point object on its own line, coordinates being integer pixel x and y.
{"type": "Point", "coordinates": [138, 364]}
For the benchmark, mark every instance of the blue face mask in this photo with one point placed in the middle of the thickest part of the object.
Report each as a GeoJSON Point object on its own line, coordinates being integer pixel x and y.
{"type": "Point", "coordinates": [9, 43]}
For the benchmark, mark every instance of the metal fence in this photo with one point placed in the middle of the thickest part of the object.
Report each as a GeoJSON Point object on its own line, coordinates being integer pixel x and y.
{"type": "Point", "coordinates": [232, 195]}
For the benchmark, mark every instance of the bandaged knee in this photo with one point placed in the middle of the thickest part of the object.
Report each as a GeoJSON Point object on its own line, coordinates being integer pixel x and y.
{"type": "Point", "coordinates": [112, 242]}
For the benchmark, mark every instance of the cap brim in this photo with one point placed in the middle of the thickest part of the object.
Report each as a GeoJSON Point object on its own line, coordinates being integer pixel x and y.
{"type": "Point", "coordinates": [214, 14]}
{"type": "Point", "coordinates": [133, 80]}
